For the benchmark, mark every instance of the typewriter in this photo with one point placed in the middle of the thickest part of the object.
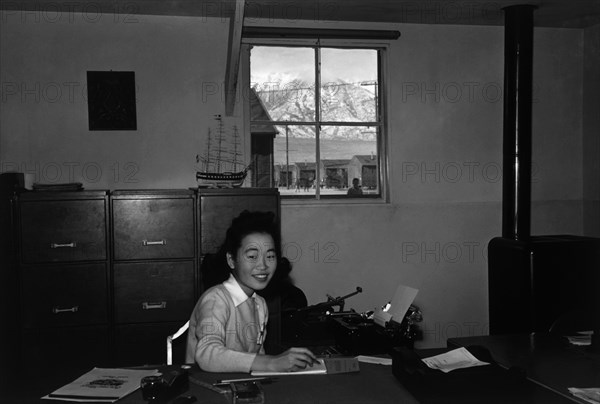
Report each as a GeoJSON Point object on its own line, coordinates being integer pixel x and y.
{"type": "Point", "coordinates": [330, 332]}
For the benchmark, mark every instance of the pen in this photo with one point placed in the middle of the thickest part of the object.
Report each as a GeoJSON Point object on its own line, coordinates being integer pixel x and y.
{"type": "Point", "coordinates": [207, 385]}
{"type": "Point", "coordinates": [249, 379]}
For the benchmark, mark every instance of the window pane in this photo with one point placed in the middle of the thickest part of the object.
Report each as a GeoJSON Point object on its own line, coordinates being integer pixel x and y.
{"type": "Point", "coordinates": [295, 155]}
{"type": "Point", "coordinates": [349, 85]}
{"type": "Point", "coordinates": [284, 79]}
{"type": "Point", "coordinates": [283, 98]}
{"type": "Point", "coordinates": [349, 152]}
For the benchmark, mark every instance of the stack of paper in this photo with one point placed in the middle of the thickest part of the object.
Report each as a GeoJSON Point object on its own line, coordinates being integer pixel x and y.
{"type": "Point", "coordinates": [452, 360]}
{"type": "Point", "coordinates": [591, 395]}
{"type": "Point", "coordinates": [101, 385]}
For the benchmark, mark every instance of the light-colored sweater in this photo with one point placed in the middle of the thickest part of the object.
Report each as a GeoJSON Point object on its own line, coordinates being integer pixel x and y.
{"type": "Point", "coordinates": [227, 329]}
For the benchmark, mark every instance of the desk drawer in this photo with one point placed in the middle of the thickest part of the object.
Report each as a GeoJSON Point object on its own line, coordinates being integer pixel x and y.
{"type": "Point", "coordinates": [154, 291]}
{"type": "Point", "coordinates": [64, 295]}
{"type": "Point", "coordinates": [54, 231]}
{"type": "Point", "coordinates": [153, 228]}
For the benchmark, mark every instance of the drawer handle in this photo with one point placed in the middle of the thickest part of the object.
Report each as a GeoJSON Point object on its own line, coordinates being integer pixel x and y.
{"type": "Point", "coordinates": [146, 243]}
{"type": "Point", "coordinates": [63, 245]}
{"type": "Point", "coordinates": [154, 305]}
{"type": "Point", "coordinates": [73, 309]}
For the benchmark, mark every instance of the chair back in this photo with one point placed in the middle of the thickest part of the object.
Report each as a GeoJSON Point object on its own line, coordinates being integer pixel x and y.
{"type": "Point", "coordinates": [173, 337]}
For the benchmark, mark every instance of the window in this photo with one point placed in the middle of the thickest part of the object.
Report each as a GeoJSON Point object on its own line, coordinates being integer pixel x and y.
{"type": "Point", "coordinates": [323, 106]}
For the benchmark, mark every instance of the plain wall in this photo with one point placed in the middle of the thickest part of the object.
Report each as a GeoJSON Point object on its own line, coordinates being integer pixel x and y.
{"type": "Point", "coordinates": [591, 131]}
{"type": "Point", "coordinates": [44, 102]}
{"type": "Point", "coordinates": [445, 146]}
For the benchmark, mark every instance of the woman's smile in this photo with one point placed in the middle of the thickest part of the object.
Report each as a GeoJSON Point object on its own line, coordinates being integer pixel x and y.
{"type": "Point", "coordinates": [255, 262]}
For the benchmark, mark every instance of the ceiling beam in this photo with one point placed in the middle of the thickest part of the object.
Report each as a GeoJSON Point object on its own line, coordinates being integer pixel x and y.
{"type": "Point", "coordinates": [236, 24]}
{"type": "Point", "coordinates": [320, 33]}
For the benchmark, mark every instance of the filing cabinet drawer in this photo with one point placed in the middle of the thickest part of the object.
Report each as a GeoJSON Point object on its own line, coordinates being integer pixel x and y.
{"type": "Point", "coordinates": [64, 295]}
{"type": "Point", "coordinates": [75, 349]}
{"type": "Point", "coordinates": [153, 228]}
{"type": "Point", "coordinates": [139, 344]}
{"type": "Point", "coordinates": [73, 230]}
{"type": "Point", "coordinates": [154, 291]}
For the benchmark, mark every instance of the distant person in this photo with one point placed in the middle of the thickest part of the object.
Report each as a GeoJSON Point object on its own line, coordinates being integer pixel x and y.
{"type": "Point", "coordinates": [356, 189]}
{"type": "Point", "coordinates": [306, 184]}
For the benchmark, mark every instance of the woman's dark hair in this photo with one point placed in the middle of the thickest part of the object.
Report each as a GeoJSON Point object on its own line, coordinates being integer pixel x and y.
{"type": "Point", "coordinates": [214, 267]}
{"type": "Point", "coordinates": [248, 223]}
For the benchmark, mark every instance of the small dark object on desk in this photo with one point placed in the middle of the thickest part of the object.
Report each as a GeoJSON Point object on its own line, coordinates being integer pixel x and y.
{"type": "Point", "coordinates": [152, 387]}
{"type": "Point", "coordinates": [163, 387]}
{"type": "Point", "coordinates": [247, 393]}
{"type": "Point", "coordinates": [184, 400]}
{"type": "Point", "coordinates": [209, 386]}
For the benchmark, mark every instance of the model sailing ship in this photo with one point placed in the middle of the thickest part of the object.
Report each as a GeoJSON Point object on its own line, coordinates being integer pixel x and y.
{"type": "Point", "coordinates": [220, 166]}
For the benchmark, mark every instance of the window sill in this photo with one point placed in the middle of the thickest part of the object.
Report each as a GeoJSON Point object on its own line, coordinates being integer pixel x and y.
{"type": "Point", "coordinates": [312, 201]}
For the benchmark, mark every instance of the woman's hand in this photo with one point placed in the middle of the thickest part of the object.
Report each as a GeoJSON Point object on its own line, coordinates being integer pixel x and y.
{"type": "Point", "coordinates": [292, 360]}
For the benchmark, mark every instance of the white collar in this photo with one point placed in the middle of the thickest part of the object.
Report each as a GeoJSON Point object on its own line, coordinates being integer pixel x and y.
{"type": "Point", "coordinates": [235, 290]}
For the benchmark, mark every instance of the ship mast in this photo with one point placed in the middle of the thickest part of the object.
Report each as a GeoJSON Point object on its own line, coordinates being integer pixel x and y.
{"type": "Point", "coordinates": [236, 136]}
{"type": "Point", "coordinates": [207, 154]}
{"type": "Point", "coordinates": [219, 142]}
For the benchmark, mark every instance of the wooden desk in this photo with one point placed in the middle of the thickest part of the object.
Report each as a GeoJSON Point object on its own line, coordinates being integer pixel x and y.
{"type": "Point", "coordinates": [374, 384]}
{"type": "Point", "coordinates": [547, 359]}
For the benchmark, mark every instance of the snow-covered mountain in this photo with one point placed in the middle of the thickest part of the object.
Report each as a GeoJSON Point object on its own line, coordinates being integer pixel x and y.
{"type": "Point", "coordinates": [341, 102]}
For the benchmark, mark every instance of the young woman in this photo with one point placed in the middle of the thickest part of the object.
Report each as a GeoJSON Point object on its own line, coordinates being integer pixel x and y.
{"type": "Point", "coordinates": [228, 325]}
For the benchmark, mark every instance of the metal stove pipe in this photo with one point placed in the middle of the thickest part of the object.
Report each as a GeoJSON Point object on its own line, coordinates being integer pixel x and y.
{"type": "Point", "coordinates": [518, 89]}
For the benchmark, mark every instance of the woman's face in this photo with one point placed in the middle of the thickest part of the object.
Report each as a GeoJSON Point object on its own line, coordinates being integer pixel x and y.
{"type": "Point", "coordinates": [255, 262]}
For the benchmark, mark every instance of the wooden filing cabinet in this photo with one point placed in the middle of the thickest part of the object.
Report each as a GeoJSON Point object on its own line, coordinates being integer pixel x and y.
{"type": "Point", "coordinates": [104, 277]}
{"type": "Point", "coordinates": [64, 279]}
{"type": "Point", "coordinates": [154, 270]}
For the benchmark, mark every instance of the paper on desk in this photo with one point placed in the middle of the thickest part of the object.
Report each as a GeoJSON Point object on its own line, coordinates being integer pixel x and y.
{"type": "Point", "coordinates": [403, 298]}
{"type": "Point", "coordinates": [582, 338]}
{"type": "Point", "coordinates": [452, 360]}
{"type": "Point", "coordinates": [101, 385]}
{"type": "Point", "coordinates": [591, 395]}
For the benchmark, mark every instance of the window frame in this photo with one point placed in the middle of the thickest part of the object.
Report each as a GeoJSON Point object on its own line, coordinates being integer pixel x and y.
{"type": "Point", "coordinates": [383, 49]}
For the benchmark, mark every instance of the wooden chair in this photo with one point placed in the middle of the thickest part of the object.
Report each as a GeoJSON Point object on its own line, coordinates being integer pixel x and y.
{"type": "Point", "coordinates": [171, 338]}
